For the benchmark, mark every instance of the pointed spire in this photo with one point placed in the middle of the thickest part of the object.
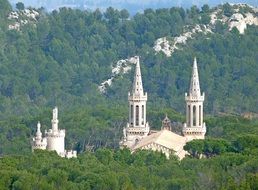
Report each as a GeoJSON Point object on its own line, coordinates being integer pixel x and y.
{"type": "Point", "coordinates": [194, 85]}
{"type": "Point", "coordinates": [55, 113]}
{"type": "Point", "coordinates": [55, 119]}
{"type": "Point", "coordinates": [166, 123]}
{"type": "Point", "coordinates": [38, 133]}
{"type": "Point", "coordinates": [137, 84]}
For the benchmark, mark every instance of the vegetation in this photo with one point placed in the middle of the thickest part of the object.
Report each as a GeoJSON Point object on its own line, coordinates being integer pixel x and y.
{"type": "Point", "coordinates": [63, 58]}
{"type": "Point", "coordinates": [108, 169]}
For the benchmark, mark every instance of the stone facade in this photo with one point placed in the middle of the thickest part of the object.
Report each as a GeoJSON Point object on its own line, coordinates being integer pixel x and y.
{"type": "Point", "coordinates": [137, 133]}
{"type": "Point", "coordinates": [194, 128]}
{"type": "Point", "coordinates": [137, 127]}
{"type": "Point", "coordinates": [38, 142]}
{"type": "Point", "coordinates": [54, 140]}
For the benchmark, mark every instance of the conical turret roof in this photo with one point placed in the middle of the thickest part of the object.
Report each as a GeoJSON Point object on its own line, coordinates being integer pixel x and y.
{"type": "Point", "coordinates": [137, 83]}
{"type": "Point", "coordinates": [195, 85]}
{"type": "Point", "coordinates": [38, 133]}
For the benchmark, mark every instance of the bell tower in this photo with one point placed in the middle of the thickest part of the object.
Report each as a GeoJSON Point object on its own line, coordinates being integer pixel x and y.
{"type": "Point", "coordinates": [194, 128]}
{"type": "Point", "coordinates": [137, 127]}
{"type": "Point", "coordinates": [137, 101]}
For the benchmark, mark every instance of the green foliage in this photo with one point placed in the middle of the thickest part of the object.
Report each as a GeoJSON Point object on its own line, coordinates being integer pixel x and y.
{"type": "Point", "coordinates": [207, 147]}
{"type": "Point", "coordinates": [227, 10]}
{"type": "Point", "coordinates": [20, 6]}
{"type": "Point", "coordinates": [69, 53]}
{"type": "Point", "coordinates": [46, 170]}
{"type": "Point", "coordinates": [246, 143]}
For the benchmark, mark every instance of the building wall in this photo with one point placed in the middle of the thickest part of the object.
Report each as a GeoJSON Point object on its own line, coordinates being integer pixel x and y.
{"type": "Point", "coordinates": [56, 142]}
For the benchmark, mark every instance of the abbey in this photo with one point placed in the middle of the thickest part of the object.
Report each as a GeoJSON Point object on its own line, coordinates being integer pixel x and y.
{"type": "Point", "coordinates": [54, 140]}
{"type": "Point", "coordinates": [137, 133]}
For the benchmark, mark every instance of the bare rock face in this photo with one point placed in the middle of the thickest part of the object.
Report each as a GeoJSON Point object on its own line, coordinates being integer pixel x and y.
{"type": "Point", "coordinates": [240, 21]}
{"type": "Point", "coordinates": [121, 67]}
{"type": "Point", "coordinates": [22, 17]}
{"type": "Point", "coordinates": [169, 45]}
{"type": "Point", "coordinates": [237, 20]}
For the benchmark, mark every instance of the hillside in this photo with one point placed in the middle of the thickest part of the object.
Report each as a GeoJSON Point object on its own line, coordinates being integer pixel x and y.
{"type": "Point", "coordinates": [83, 62]}
{"type": "Point", "coordinates": [65, 57]}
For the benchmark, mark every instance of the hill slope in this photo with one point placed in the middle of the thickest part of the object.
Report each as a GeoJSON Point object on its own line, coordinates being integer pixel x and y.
{"type": "Point", "coordinates": [61, 58]}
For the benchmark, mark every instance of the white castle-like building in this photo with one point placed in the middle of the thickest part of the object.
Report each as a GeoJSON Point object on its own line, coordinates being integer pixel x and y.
{"type": "Point", "coordinates": [137, 133]}
{"type": "Point", "coordinates": [54, 140]}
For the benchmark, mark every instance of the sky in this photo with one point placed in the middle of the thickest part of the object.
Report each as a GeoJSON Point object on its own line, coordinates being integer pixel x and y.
{"type": "Point", "coordinates": [132, 5]}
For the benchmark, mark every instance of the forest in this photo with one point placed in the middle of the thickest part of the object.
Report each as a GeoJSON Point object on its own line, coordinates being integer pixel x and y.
{"type": "Point", "coordinates": [62, 57]}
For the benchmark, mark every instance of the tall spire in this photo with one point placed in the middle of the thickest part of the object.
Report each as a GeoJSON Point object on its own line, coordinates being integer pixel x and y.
{"type": "Point", "coordinates": [137, 126]}
{"type": "Point", "coordinates": [137, 83]}
{"type": "Point", "coordinates": [194, 85]}
{"type": "Point", "coordinates": [38, 133]}
{"type": "Point", "coordinates": [194, 128]}
{"type": "Point", "coordinates": [55, 119]}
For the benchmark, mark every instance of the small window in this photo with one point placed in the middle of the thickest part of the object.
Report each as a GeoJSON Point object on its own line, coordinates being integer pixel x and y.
{"type": "Point", "coordinates": [137, 116]}
{"type": "Point", "coordinates": [194, 115]}
{"type": "Point", "coordinates": [132, 113]}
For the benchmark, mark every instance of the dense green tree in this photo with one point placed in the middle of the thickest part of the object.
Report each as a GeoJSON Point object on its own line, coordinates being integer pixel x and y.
{"type": "Point", "coordinates": [61, 59]}
{"type": "Point", "coordinates": [227, 10]}
{"type": "Point", "coordinates": [20, 6]}
{"type": "Point", "coordinates": [205, 8]}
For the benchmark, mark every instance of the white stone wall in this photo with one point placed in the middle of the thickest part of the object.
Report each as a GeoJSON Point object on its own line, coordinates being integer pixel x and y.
{"type": "Point", "coordinates": [194, 128]}
{"type": "Point", "coordinates": [137, 126]}
{"type": "Point", "coordinates": [39, 144]}
{"type": "Point", "coordinates": [56, 141]}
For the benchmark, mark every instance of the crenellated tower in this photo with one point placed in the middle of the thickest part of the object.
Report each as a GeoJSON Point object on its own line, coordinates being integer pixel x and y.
{"type": "Point", "coordinates": [194, 128]}
{"type": "Point", "coordinates": [38, 142]}
{"type": "Point", "coordinates": [137, 127]}
{"type": "Point", "coordinates": [55, 137]}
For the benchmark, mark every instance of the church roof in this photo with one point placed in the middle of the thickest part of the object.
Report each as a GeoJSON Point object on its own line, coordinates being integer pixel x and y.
{"type": "Point", "coordinates": [166, 139]}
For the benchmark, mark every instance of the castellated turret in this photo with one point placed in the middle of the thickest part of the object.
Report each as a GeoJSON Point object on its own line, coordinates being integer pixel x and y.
{"type": "Point", "coordinates": [55, 139]}
{"type": "Point", "coordinates": [38, 142]}
{"type": "Point", "coordinates": [194, 128]}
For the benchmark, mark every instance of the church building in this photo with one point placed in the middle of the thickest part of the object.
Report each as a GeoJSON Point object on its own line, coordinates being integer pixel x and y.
{"type": "Point", "coordinates": [54, 140]}
{"type": "Point", "coordinates": [137, 134]}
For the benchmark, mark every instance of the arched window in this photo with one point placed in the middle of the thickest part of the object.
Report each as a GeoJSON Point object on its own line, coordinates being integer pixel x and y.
{"type": "Point", "coordinates": [194, 115]}
{"type": "Point", "coordinates": [200, 115]}
{"type": "Point", "coordinates": [142, 114]}
{"type": "Point", "coordinates": [131, 115]}
{"type": "Point", "coordinates": [137, 115]}
{"type": "Point", "coordinates": [189, 114]}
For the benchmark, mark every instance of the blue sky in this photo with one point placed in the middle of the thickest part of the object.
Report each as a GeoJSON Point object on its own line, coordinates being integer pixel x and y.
{"type": "Point", "coordinates": [132, 5]}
